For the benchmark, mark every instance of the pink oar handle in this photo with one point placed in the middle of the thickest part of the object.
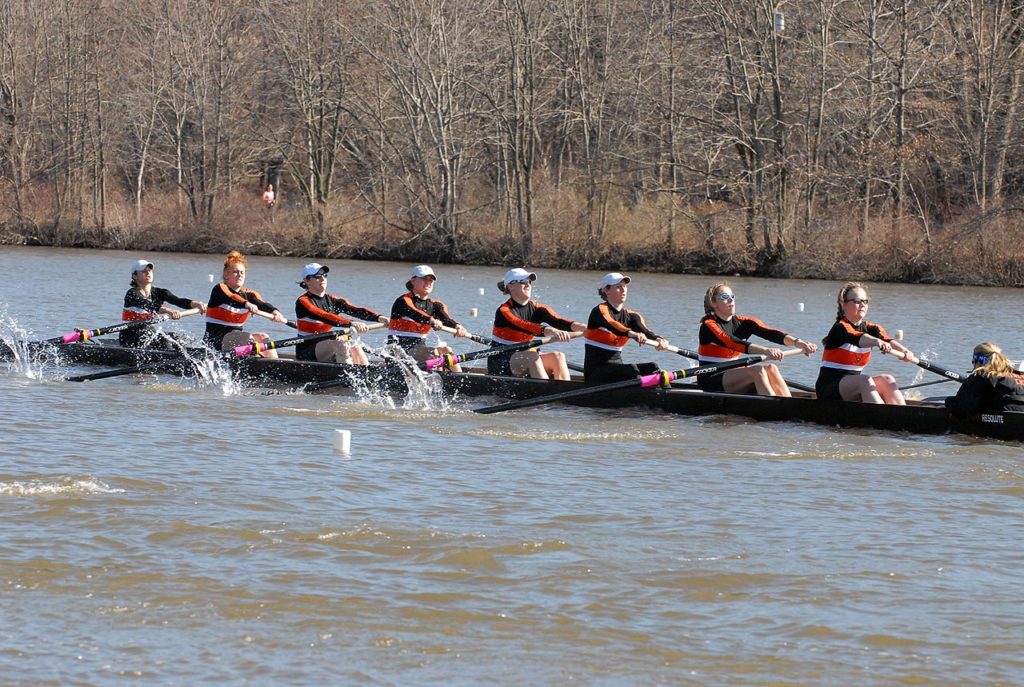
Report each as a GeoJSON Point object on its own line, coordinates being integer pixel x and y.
{"type": "Point", "coordinates": [72, 337]}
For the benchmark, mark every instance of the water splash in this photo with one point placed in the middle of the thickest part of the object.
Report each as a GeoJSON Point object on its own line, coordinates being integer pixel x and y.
{"type": "Point", "coordinates": [63, 486]}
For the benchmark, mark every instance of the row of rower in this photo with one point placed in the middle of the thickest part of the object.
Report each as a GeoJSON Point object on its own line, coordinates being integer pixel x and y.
{"type": "Point", "coordinates": [724, 335]}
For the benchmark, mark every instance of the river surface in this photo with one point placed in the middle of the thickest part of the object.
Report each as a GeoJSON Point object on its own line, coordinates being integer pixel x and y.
{"type": "Point", "coordinates": [183, 532]}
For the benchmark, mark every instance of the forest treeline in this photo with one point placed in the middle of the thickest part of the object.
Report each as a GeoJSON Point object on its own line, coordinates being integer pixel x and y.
{"type": "Point", "coordinates": [876, 139]}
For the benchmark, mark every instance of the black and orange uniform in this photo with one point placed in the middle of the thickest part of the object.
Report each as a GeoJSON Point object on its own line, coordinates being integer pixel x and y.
{"type": "Point", "coordinates": [138, 307]}
{"type": "Point", "coordinates": [226, 312]}
{"type": "Point", "coordinates": [721, 341]}
{"type": "Point", "coordinates": [843, 355]}
{"type": "Point", "coordinates": [410, 320]}
{"type": "Point", "coordinates": [980, 394]}
{"type": "Point", "coordinates": [518, 323]}
{"type": "Point", "coordinates": [606, 335]}
{"type": "Point", "coordinates": [320, 314]}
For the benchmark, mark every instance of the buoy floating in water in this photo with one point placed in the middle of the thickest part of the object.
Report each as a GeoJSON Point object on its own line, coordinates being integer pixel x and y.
{"type": "Point", "coordinates": [342, 440]}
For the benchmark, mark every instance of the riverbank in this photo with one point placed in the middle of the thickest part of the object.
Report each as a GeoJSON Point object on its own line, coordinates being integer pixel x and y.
{"type": "Point", "coordinates": [978, 249]}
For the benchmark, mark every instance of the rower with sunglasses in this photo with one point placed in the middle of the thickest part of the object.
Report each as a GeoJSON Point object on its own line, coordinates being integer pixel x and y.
{"type": "Point", "coordinates": [520, 319]}
{"type": "Point", "coordinates": [847, 352]}
{"type": "Point", "coordinates": [723, 337]}
{"type": "Point", "coordinates": [992, 387]}
{"type": "Point", "coordinates": [317, 312]}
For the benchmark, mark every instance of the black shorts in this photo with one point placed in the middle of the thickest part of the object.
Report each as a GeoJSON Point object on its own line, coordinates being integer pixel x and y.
{"type": "Point", "coordinates": [500, 364]}
{"type": "Point", "coordinates": [617, 372]}
{"type": "Point", "coordinates": [827, 385]}
{"type": "Point", "coordinates": [713, 382]}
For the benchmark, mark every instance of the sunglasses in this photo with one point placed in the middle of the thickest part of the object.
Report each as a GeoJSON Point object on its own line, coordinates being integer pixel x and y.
{"type": "Point", "coordinates": [858, 301]}
{"type": "Point", "coordinates": [725, 297]}
{"type": "Point", "coordinates": [519, 281]}
{"type": "Point", "coordinates": [979, 359]}
{"type": "Point", "coordinates": [317, 276]}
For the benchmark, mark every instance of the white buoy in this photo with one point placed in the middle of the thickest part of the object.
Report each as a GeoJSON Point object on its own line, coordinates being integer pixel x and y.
{"type": "Point", "coordinates": [211, 278]}
{"type": "Point", "coordinates": [800, 307]}
{"type": "Point", "coordinates": [481, 292]}
{"type": "Point", "coordinates": [899, 335]}
{"type": "Point", "coordinates": [472, 312]}
{"type": "Point", "coordinates": [342, 440]}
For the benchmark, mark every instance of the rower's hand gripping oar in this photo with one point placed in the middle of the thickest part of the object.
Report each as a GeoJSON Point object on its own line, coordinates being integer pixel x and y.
{"type": "Point", "coordinates": [662, 379]}
{"type": "Point", "coordinates": [288, 323]}
{"type": "Point", "coordinates": [691, 354]}
{"type": "Point", "coordinates": [86, 334]}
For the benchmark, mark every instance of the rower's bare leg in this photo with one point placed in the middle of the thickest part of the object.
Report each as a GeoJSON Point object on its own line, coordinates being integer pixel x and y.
{"type": "Point", "coordinates": [555, 365]}
{"type": "Point", "coordinates": [746, 379]}
{"type": "Point", "coordinates": [779, 386]}
{"type": "Point", "coordinates": [859, 387]}
{"type": "Point", "coordinates": [889, 390]}
{"type": "Point", "coordinates": [357, 354]}
{"type": "Point", "coordinates": [527, 364]}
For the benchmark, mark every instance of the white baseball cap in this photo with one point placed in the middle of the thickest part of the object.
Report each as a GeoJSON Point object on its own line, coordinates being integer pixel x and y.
{"type": "Point", "coordinates": [140, 265]}
{"type": "Point", "coordinates": [313, 268]}
{"type": "Point", "coordinates": [423, 271]}
{"type": "Point", "coordinates": [613, 278]}
{"type": "Point", "coordinates": [519, 274]}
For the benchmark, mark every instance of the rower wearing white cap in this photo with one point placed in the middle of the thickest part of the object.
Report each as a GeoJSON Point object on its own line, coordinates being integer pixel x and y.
{"type": "Point", "coordinates": [610, 327]}
{"type": "Point", "coordinates": [317, 311]}
{"type": "Point", "coordinates": [415, 314]}
{"type": "Point", "coordinates": [520, 319]}
{"type": "Point", "coordinates": [144, 301]}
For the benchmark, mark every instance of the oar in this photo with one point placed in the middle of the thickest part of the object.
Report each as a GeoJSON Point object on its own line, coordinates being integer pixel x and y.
{"type": "Point", "coordinates": [444, 361]}
{"type": "Point", "coordinates": [491, 342]}
{"type": "Point", "coordinates": [238, 352]}
{"type": "Point", "coordinates": [256, 348]}
{"type": "Point", "coordinates": [86, 334]}
{"type": "Point", "coordinates": [934, 381]}
{"type": "Point", "coordinates": [645, 381]}
{"type": "Point", "coordinates": [690, 354]}
{"type": "Point", "coordinates": [289, 323]}
{"type": "Point", "coordinates": [931, 367]}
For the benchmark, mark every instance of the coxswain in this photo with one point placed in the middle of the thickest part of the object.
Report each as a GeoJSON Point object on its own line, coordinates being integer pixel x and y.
{"type": "Point", "coordinates": [521, 319]}
{"type": "Point", "coordinates": [609, 328]}
{"type": "Point", "coordinates": [415, 314]}
{"type": "Point", "coordinates": [144, 301]}
{"type": "Point", "coordinates": [847, 352]}
{"type": "Point", "coordinates": [723, 337]}
{"type": "Point", "coordinates": [230, 306]}
{"type": "Point", "coordinates": [992, 387]}
{"type": "Point", "coordinates": [317, 312]}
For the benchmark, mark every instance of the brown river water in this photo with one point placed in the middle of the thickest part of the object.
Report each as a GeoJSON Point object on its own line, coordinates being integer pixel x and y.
{"type": "Point", "coordinates": [186, 532]}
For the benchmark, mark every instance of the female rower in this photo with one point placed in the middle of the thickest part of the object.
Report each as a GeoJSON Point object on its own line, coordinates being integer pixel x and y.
{"type": "Point", "coordinates": [414, 314]}
{"type": "Point", "coordinates": [520, 319]}
{"type": "Point", "coordinates": [723, 337]}
{"type": "Point", "coordinates": [144, 301]}
{"type": "Point", "coordinates": [317, 311]}
{"type": "Point", "coordinates": [609, 328]}
{"type": "Point", "coordinates": [230, 306]}
{"type": "Point", "coordinates": [992, 387]}
{"type": "Point", "coordinates": [848, 349]}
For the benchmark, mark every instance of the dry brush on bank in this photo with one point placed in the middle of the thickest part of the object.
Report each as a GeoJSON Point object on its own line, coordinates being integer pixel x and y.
{"type": "Point", "coordinates": [832, 138]}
